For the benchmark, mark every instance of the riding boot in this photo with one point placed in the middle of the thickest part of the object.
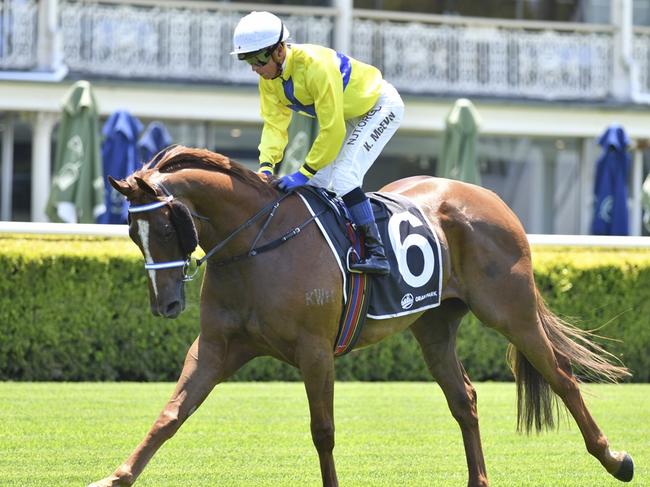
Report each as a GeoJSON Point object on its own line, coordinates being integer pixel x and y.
{"type": "Point", "coordinates": [375, 261]}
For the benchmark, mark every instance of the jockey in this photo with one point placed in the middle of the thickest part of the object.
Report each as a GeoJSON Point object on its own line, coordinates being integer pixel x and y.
{"type": "Point", "coordinates": [357, 112]}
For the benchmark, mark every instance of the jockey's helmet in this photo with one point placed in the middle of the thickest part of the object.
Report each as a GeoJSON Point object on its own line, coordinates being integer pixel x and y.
{"type": "Point", "coordinates": [258, 32]}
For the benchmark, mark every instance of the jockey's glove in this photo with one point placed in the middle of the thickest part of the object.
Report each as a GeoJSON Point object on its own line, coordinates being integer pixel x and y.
{"type": "Point", "coordinates": [292, 181]}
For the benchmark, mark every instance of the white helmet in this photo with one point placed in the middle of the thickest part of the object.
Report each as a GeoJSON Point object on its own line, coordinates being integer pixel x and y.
{"type": "Point", "coordinates": [256, 31]}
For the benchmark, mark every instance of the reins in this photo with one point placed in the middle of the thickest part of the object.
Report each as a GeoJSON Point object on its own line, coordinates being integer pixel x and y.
{"type": "Point", "coordinates": [268, 210]}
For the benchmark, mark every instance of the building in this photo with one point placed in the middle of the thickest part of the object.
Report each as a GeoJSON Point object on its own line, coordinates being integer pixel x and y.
{"type": "Point", "coordinates": [547, 76]}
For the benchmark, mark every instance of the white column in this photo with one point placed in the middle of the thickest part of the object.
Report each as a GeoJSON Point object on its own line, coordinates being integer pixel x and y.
{"type": "Point", "coordinates": [635, 192]}
{"type": "Point", "coordinates": [622, 74]}
{"type": "Point", "coordinates": [538, 177]}
{"type": "Point", "coordinates": [41, 163]}
{"type": "Point", "coordinates": [587, 174]}
{"type": "Point", "coordinates": [343, 25]}
{"type": "Point", "coordinates": [50, 40]}
{"type": "Point", "coordinates": [7, 168]}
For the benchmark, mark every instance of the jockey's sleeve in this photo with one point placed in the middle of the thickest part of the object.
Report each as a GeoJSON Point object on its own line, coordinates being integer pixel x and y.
{"type": "Point", "coordinates": [275, 133]}
{"type": "Point", "coordinates": [324, 83]}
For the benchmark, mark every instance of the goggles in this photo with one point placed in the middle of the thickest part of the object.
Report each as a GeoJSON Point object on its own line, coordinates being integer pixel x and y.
{"type": "Point", "coordinates": [258, 58]}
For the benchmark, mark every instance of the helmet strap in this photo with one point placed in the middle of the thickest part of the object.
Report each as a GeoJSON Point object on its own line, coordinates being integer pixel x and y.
{"type": "Point", "coordinates": [276, 60]}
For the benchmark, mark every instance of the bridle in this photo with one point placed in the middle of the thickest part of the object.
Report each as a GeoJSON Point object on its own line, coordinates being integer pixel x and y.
{"type": "Point", "coordinates": [268, 211]}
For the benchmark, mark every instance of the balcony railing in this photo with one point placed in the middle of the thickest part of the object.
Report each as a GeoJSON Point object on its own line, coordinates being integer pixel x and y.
{"type": "Point", "coordinates": [166, 41]}
{"type": "Point", "coordinates": [641, 54]}
{"type": "Point", "coordinates": [18, 34]}
{"type": "Point", "coordinates": [455, 55]}
{"type": "Point", "coordinates": [427, 54]}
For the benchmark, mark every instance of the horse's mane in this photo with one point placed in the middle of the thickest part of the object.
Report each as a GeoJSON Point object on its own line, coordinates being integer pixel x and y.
{"type": "Point", "coordinates": [181, 157]}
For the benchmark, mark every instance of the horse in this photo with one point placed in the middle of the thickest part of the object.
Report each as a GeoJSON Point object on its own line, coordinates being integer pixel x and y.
{"type": "Point", "coordinates": [256, 303]}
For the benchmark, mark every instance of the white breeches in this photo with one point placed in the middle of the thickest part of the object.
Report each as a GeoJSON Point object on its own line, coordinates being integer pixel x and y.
{"type": "Point", "coordinates": [365, 138]}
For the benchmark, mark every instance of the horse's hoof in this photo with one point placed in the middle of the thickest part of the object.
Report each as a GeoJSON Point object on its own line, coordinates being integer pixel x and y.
{"type": "Point", "coordinates": [626, 470]}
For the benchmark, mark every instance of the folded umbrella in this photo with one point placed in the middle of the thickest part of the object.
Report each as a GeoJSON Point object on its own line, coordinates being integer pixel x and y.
{"type": "Point", "coordinates": [459, 159]}
{"type": "Point", "coordinates": [77, 193]}
{"type": "Point", "coordinates": [610, 185]}
{"type": "Point", "coordinates": [120, 156]}
{"type": "Point", "coordinates": [154, 139]}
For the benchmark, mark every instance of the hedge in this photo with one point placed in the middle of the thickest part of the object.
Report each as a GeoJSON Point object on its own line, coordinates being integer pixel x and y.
{"type": "Point", "coordinates": [77, 309]}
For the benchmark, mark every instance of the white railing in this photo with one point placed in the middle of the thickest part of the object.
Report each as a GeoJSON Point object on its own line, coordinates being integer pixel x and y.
{"type": "Point", "coordinates": [461, 55]}
{"type": "Point", "coordinates": [419, 53]}
{"type": "Point", "coordinates": [589, 241]}
{"type": "Point", "coordinates": [170, 40]}
{"type": "Point", "coordinates": [641, 54]}
{"type": "Point", "coordinates": [85, 229]}
{"type": "Point", "coordinates": [122, 231]}
{"type": "Point", "coordinates": [18, 34]}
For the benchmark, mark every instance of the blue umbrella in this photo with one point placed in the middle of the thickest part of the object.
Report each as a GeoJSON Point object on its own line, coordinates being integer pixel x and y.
{"type": "Point", "coordinates": [120, 157]}
{"type": "Point", "coordinates": [610, 189]}
{"type": "Point", "coordinates": [155, 138]}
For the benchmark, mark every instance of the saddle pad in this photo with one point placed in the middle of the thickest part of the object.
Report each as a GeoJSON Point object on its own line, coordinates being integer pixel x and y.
{"type": "Point", "coordinates": [412, 247]}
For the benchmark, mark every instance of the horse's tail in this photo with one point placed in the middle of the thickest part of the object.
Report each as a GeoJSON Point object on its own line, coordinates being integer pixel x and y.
{"type": "Point", "coordinates": [536, 403]}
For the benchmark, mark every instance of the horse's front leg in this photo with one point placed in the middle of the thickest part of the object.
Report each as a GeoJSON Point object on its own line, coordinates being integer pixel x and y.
{"type": "Point", "coordinates": [207, 363]}
{"type": "Point", "coordinates": [317, 367]}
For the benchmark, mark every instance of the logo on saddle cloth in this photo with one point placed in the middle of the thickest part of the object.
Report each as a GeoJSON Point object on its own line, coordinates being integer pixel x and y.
{"type": "Point", "coordinates": [412, 247]}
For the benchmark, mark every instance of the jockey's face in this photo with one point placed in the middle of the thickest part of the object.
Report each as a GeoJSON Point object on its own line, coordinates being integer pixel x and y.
{"type": "Point", "coordinates": [273, 67]}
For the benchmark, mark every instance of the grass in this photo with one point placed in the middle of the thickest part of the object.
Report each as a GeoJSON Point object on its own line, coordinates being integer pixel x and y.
{"type": "Point", "coordinates": [257, 434]}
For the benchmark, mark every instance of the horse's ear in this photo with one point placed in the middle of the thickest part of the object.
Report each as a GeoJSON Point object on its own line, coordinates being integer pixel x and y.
{"type": "Point", "coordinates": [120, 185]}
{"type": "Point", "coordinates": [145, 186]}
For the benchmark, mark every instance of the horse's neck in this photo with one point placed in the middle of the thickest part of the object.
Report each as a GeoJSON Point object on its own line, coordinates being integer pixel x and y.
{"type": "Point", "coordinates": [227, 203]}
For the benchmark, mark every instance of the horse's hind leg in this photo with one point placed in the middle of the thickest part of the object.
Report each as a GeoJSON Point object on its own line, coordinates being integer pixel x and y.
{"type": "Point", "coordinates": [539, 352]}
{"type": "Point", "coordinates": [436, 331]}
{"type": "Point", "coordinates": [206, 364]}
{"type": "Point", "coordinates": [543, 341]}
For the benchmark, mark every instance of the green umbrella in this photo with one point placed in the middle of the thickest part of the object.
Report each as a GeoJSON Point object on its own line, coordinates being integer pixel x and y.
{"type": "Point", "coordinates": [459, 159]}
{"type": "Point", "coordinates": [77, 194]}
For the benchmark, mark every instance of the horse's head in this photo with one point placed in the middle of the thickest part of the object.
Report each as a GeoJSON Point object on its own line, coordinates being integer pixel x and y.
{"type": "Point", "coordinates": [164, 230]}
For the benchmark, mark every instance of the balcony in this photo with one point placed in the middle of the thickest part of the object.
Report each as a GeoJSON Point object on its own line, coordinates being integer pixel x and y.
{"type": "Point", "coordinates": [420, 54]}
{"type": "Point", "coordinates": [18, 34]}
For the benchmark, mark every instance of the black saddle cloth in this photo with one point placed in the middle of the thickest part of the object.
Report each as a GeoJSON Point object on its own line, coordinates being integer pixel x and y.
{"type": "Point", "coordinates": [412, 247]}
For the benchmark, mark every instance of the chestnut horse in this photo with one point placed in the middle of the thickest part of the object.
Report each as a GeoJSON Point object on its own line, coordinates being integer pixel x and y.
{"type": "Point", "coordinates": [255, 304]}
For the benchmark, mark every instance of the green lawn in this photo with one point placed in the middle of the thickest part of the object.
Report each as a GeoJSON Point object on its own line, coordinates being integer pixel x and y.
{"type": "Point", "coordinates": [257, 434]}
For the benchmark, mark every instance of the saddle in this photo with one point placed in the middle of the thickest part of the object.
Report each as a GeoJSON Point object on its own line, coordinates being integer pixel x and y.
{"type": "Point", "coordinates": [412, 248]}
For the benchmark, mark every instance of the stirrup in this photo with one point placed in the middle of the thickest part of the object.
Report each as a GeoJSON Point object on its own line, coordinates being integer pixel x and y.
{"type": "Point", "coordinates": [352, 253]}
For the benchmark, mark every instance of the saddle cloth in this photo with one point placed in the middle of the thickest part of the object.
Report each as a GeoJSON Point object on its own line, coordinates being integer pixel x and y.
{"type": "Point", "coordinates": [412, 247]}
